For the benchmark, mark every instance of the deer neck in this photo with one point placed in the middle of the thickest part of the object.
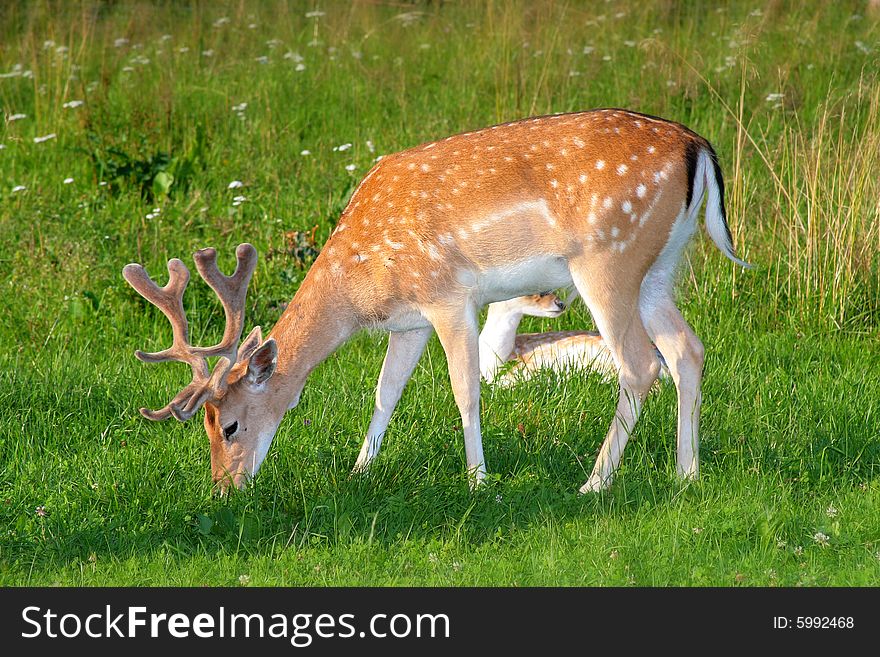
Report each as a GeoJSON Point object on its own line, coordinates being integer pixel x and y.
{"type": "Point", "coordinates": [498, 335]}
{"type": "Point", "coordinates": [315, 323]}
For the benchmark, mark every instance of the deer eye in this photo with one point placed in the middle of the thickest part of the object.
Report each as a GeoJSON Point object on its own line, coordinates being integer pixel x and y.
{"type": "Point", "coordinates": [229, 430]}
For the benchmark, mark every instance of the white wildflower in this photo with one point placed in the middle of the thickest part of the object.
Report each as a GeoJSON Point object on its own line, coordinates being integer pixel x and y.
{"type": "Point", "coordinates": [244, 580]}
{"type": "Point", "coordinates": [220, 22]}
{"type": "Point", "coordinates": [18, 188]}
{"type": "Point", "coordinates": [295, 56]}
{"type": "Point", "coordinates": [120, 42]}
{"type": "Point", "coordinates": [72, 104]}
{"type": "Point", "coordinates": [67, 181]}
{"type": "Point", "coordinates": [774, 97]}
{"type": "Point", "coordinates": [15, 117]}
{"type": "Point", "coordinates": [207, 53]}
{"type": "Point", "coordinates": [821, 539]}
{"type": "Point", "coordinates": [863, 48]}
{"type": "Point", "coordinates": [235, 184]}
{"type": "Point", "coordinates": [241, 107]}
{"type": "Point", "coordinates": [40, 140]}
{"type": "Point", "coordinates": [831, 511]}
{"type": "Point", "coordinates": [300, 67]}
{"type": "Point", "coordinates": [342, 147]}
{"type": "Point", "coordinates": [350, 167]}
{"type": "Point", "coordinates": [305, 151]}
{"type": "Point", "coordinates": [262, 59]}
{"type": "Point", "coordinates": [370, 146]}
{"type": "Point", "coordinates": [315, 14]}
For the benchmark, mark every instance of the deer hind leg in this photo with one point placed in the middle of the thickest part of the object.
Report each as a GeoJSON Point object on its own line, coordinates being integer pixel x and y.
{"type": "Point", "coordinates": [458, 331]}
{"type": "Point", "coordinates": [683, 353]}
{"type": "Point", "coordinates": [404, 351]}
{"type": "Point", "coordinates": [616, 314]}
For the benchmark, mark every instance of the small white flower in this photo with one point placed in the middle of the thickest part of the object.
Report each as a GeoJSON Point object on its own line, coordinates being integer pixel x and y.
{"type": "Point", "coordinates": [863, 48]}
{"type": "Point", "coordinates": [343, 147]}
{"type": "Point", "coordinates": [2, 146]}
{"type": "Point", "coordinates": [262, 59]}
{"type": "Point", "coordinates": [370, 146]}
{"type": "Point", "coordinates": [71, 104]}
{"type": "Point", "coordinates": [150, 215]}
{"type": "Point", "coordinates": [18, 188]}
{"type": "Point", "coordinates": [15, 117]}
{"type": "Point", "coordinates": [183, 49]}
{"type": "Point", "coordinates": [305, 152]}
{"type": "Point", "coordinates": [300, 67]}
{"type": "Point", "coordinates": [241, 107]}
{"type": "Point", "coordinates": [498, 499]}
{"type": "Point", "coordinates": [630, 44]}
{"type": "Point", "coordinates": [120, 42]}
{"type": "Point", "coordinates": [67, 181]}
{"type": "Point", "coordinates": [235, 184]}
{"type": "Point", "coordinates": [157, 210]}
{"type": "Point", "coordinates": [295, 56]}
{"type": "Point", "coordinates": [315, 14]}
{"type": "Point", "coordinates": [221, 21]}
{"type": "Point", "coordinates": [40, 140]}
{"type": "Point", "coordinates": [244, 580]}
{"type": "Point", "coordinates": [165, 37]}
{"type": "Point", "coordinates": [48, 44]}
{"type": "Point", "coordinates": [831, 511]}
{"type": "Point", "coordinates": [774, 97]}
{"type": "Point", "coordinates": [240, 199]}
{"type": "Point", "coordinates": [588, 50]}
{"type": "Point", "coordinates": [127, 69]}
{"type": "Point", "coordinates": [102, 184]}
{"type": "Point", "coordinates": [350, 167]}
{"type": "Point", "coordinates": [821, 539]}
{"type": "Point", "coordinates": [207, 53]}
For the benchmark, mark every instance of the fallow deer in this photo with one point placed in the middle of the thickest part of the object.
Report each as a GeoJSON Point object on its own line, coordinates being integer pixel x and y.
{"type": "Point", "coordinates": [508, 357]}
{"type": "Point", "coordinates": [604, 200]}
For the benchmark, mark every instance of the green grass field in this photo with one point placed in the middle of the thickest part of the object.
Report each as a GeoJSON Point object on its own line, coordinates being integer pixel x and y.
{"type": "Point", "coordinates": [138, 116]}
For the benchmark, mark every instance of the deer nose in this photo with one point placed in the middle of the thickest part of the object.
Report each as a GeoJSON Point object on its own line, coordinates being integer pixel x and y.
{"type": "Point", "coordinates": [560, 304]}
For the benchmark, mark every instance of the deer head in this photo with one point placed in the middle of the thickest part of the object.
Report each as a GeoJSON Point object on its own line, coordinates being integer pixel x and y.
{"type": "Point", "coordinates": [240, 418]}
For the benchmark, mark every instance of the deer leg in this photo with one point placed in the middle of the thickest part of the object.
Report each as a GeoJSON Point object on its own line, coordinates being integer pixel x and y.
{"type": "Point", "coordinates": [459, 332]}
{"type": "Point", "coordinates": [683, 353]}
{"type": "Point", "coordinates": [404, 350]}
{"type": "Point", "coordinates": [616, 315]}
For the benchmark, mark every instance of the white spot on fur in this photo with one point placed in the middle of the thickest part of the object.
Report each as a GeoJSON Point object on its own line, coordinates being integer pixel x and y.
{"type": "Point", "coordinates": [607, 203]}
{"type": "Point", "coordinates": [651, 149]}
{"type": "Point", "coordinates": [554, 183]}
{"type": "Point", "coordinates": [600, 164]}
{"type": "Point", "coordinates": [641, 190]}
{"type": "Point", "coordinates": [622, 169]}
{"type": "Point", "coordinates": [615, 231]}
{"type": "Point", "coordinates": [626, 206]}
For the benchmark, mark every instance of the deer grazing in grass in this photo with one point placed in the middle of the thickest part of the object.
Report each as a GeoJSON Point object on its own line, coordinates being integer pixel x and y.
{"type": "Point", "coordinates": [604, 200]}
{"type": "Point", "coordinates": [522, 355]}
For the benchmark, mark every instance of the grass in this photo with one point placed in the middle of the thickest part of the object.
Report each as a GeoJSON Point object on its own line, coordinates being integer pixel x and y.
{"type": "Point", "coordinates": [787, 92]}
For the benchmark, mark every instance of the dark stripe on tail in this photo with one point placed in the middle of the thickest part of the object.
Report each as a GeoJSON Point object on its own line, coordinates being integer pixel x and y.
{"type": "Point", "coordinates": [719, 180]}
{"type": "Point", "coordinates": [691, 153]}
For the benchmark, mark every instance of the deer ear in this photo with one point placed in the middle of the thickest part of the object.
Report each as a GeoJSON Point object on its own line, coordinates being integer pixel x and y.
{"type": "Point", "coordinates": [262, 362]}
{"type": "Point", "coordinates": [250, 344]}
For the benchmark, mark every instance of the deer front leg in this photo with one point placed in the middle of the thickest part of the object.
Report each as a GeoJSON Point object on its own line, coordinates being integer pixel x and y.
{"type": "Point", "coordinates": [404, 351]}
{"type": "Point", "coordinates": [458, 332]}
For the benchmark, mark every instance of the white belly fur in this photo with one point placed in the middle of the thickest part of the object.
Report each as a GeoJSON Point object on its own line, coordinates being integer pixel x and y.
{"type": "Point", "coordinates": [529, 276]}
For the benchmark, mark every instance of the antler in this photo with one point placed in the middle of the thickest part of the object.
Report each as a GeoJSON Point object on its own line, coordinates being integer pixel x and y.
{"type": "Point", "coordinates": [232, 291]}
